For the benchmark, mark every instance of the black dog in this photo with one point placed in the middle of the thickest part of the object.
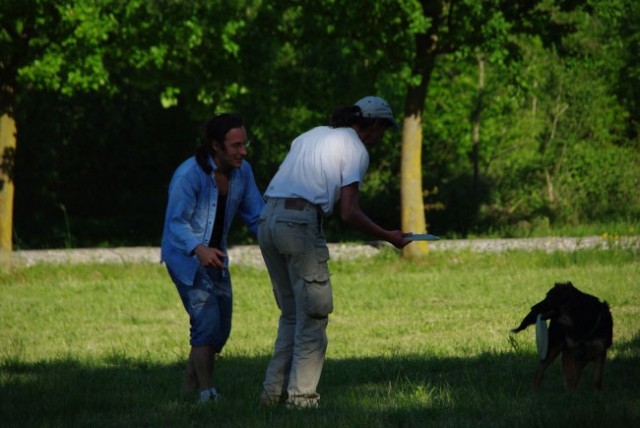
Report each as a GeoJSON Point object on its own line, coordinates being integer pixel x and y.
{"type": "Point", "coordinates": [581, 328]}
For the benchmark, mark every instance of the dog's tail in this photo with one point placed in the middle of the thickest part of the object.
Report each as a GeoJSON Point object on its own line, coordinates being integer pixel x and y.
{"type": "Point", "coordinates": [607, 324]}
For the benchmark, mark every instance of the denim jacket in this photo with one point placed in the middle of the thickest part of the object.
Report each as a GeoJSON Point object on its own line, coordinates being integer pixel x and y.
{"type": "Point", "coordinates": [191, 213]}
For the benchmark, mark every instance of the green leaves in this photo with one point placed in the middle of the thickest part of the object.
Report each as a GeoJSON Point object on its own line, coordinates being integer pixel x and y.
{"type": "Point", "coordinates": [66, 43]}
{"type": "Point", "coordinates": [229, 34]}
{"type": "Point", "coordinates": [559, 75]}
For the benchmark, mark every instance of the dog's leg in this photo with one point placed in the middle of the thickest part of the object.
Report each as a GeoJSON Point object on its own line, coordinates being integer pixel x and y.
{"type": "Point", "coordinates": [570, 369]}
{"type": "Point", "coordinates": [598, 372]}
{"type": "Point", "coordinates": [580, 365]}
{"type": "Point", "coordinates": [544, 365]}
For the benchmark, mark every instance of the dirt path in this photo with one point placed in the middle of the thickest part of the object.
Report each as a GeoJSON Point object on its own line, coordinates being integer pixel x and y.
{"type": "Point", "coordinates": [250, 254]}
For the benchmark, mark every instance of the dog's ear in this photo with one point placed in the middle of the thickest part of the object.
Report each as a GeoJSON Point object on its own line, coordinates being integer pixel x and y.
{"type": "Point", "coordinates": [559, 294]}
{"type": "Point", "coordinates": [565, 285]}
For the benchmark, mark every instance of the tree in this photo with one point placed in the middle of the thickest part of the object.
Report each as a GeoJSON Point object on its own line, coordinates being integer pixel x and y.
{"type": "Point", "coordinates": [113, 48]}
{"type": "Point", "coordinates": [144, 73]}
{"type": "Point", "coordinates": [7, 149]}
{"type": "Point", "coordinates": [438, 28]}
{"type": "Point", "coordinates": [456, 27]}
{"type": "Point", "coordinates": [402, 55]}
{"type": "Point", "coordinates": [43, 44]}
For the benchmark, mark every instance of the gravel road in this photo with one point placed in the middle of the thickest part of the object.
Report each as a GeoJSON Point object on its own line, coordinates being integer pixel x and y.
{"type": "Point", "coordinates": [250, 254]}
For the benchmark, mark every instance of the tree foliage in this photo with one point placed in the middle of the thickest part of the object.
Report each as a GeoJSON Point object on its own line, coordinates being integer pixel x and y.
{"type": "Point", "coordinates": [108, 98]}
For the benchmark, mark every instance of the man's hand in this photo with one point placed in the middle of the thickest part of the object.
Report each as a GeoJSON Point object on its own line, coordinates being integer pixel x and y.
{"type": "Point", "coordinates": [210, 256]}
{"type": "Point", "coordinates": [398, 238]}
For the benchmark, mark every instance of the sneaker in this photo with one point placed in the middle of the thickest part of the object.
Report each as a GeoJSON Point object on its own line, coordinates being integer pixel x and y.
{"type": "Point", "coordinates": [210, 394]}
{"type": "Point", "coordinates": [303, 402]}
{"type": "Point", "coordinates": [268, 400]}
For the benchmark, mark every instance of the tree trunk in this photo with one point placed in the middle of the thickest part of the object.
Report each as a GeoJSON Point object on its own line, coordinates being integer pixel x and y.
{"type": "Point", "coordinates": [413, 208]}
{"type": "Point", "coordinates": [7, 161]}
{"type": "Point", "coordinates": [411, 193]}
{"type": "Point", "coordinates": [413, 215]}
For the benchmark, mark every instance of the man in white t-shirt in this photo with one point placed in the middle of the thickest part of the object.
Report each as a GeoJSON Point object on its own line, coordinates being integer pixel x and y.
{"type": "Point", "coordinates": [324, 167]}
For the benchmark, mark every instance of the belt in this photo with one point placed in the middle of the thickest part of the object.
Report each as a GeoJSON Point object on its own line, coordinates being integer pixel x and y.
{"type": "Point", "coordinates": [297, 204]}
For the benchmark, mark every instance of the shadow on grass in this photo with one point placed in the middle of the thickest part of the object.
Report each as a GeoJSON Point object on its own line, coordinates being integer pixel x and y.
{"type": "Point", "coordinates": [416, 390]}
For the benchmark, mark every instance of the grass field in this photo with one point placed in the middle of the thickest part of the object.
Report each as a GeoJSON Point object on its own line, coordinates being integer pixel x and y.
{"type": "Point", "coordinates": [410, 345]}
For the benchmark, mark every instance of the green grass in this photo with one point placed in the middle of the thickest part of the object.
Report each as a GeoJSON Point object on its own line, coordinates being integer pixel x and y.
{"type": "Point", "coordinates": [410, 345]}
{"type": "Point", "coordinates": [542, 228]}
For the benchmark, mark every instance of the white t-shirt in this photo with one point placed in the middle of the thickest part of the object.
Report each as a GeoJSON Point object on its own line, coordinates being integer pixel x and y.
{"type": "Point", "coordinates": [320, 162]}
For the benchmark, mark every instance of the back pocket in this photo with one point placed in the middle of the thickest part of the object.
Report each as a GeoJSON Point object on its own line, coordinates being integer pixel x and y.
{"type": "Point", "coordinates": [292, 237]}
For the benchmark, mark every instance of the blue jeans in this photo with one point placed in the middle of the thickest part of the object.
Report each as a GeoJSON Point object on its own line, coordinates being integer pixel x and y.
{"type": "Point", "coordinates": [295, 252]}
{"type": "Point", "coordinates": [209, 305]}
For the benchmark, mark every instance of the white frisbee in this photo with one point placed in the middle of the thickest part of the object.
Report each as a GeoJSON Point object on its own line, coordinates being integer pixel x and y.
{"type": "Point", "coordinates": [542, 337]}
{"type": "Point", "coordinates": [423, 237]}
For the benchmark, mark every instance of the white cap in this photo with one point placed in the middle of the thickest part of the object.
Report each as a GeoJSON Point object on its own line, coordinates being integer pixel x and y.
{"type": "Point", "coordinates": [376, 107]}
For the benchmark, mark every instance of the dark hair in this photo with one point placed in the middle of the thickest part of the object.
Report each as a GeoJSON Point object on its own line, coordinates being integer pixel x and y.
{"type": "Point", "coordinates": [343, 117]}
{"type": "Point", "coordinates": [215, 130]}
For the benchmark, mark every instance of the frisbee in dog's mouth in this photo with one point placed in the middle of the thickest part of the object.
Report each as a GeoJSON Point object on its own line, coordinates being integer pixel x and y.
{"type": "Point", "coordinates": [542, 337]}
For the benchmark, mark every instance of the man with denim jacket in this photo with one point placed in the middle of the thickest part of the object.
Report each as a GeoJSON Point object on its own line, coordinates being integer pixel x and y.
{"type": "Point", "coordinates": [205, 194]}
{"type": "Point", "coordinates": [324, 167]}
